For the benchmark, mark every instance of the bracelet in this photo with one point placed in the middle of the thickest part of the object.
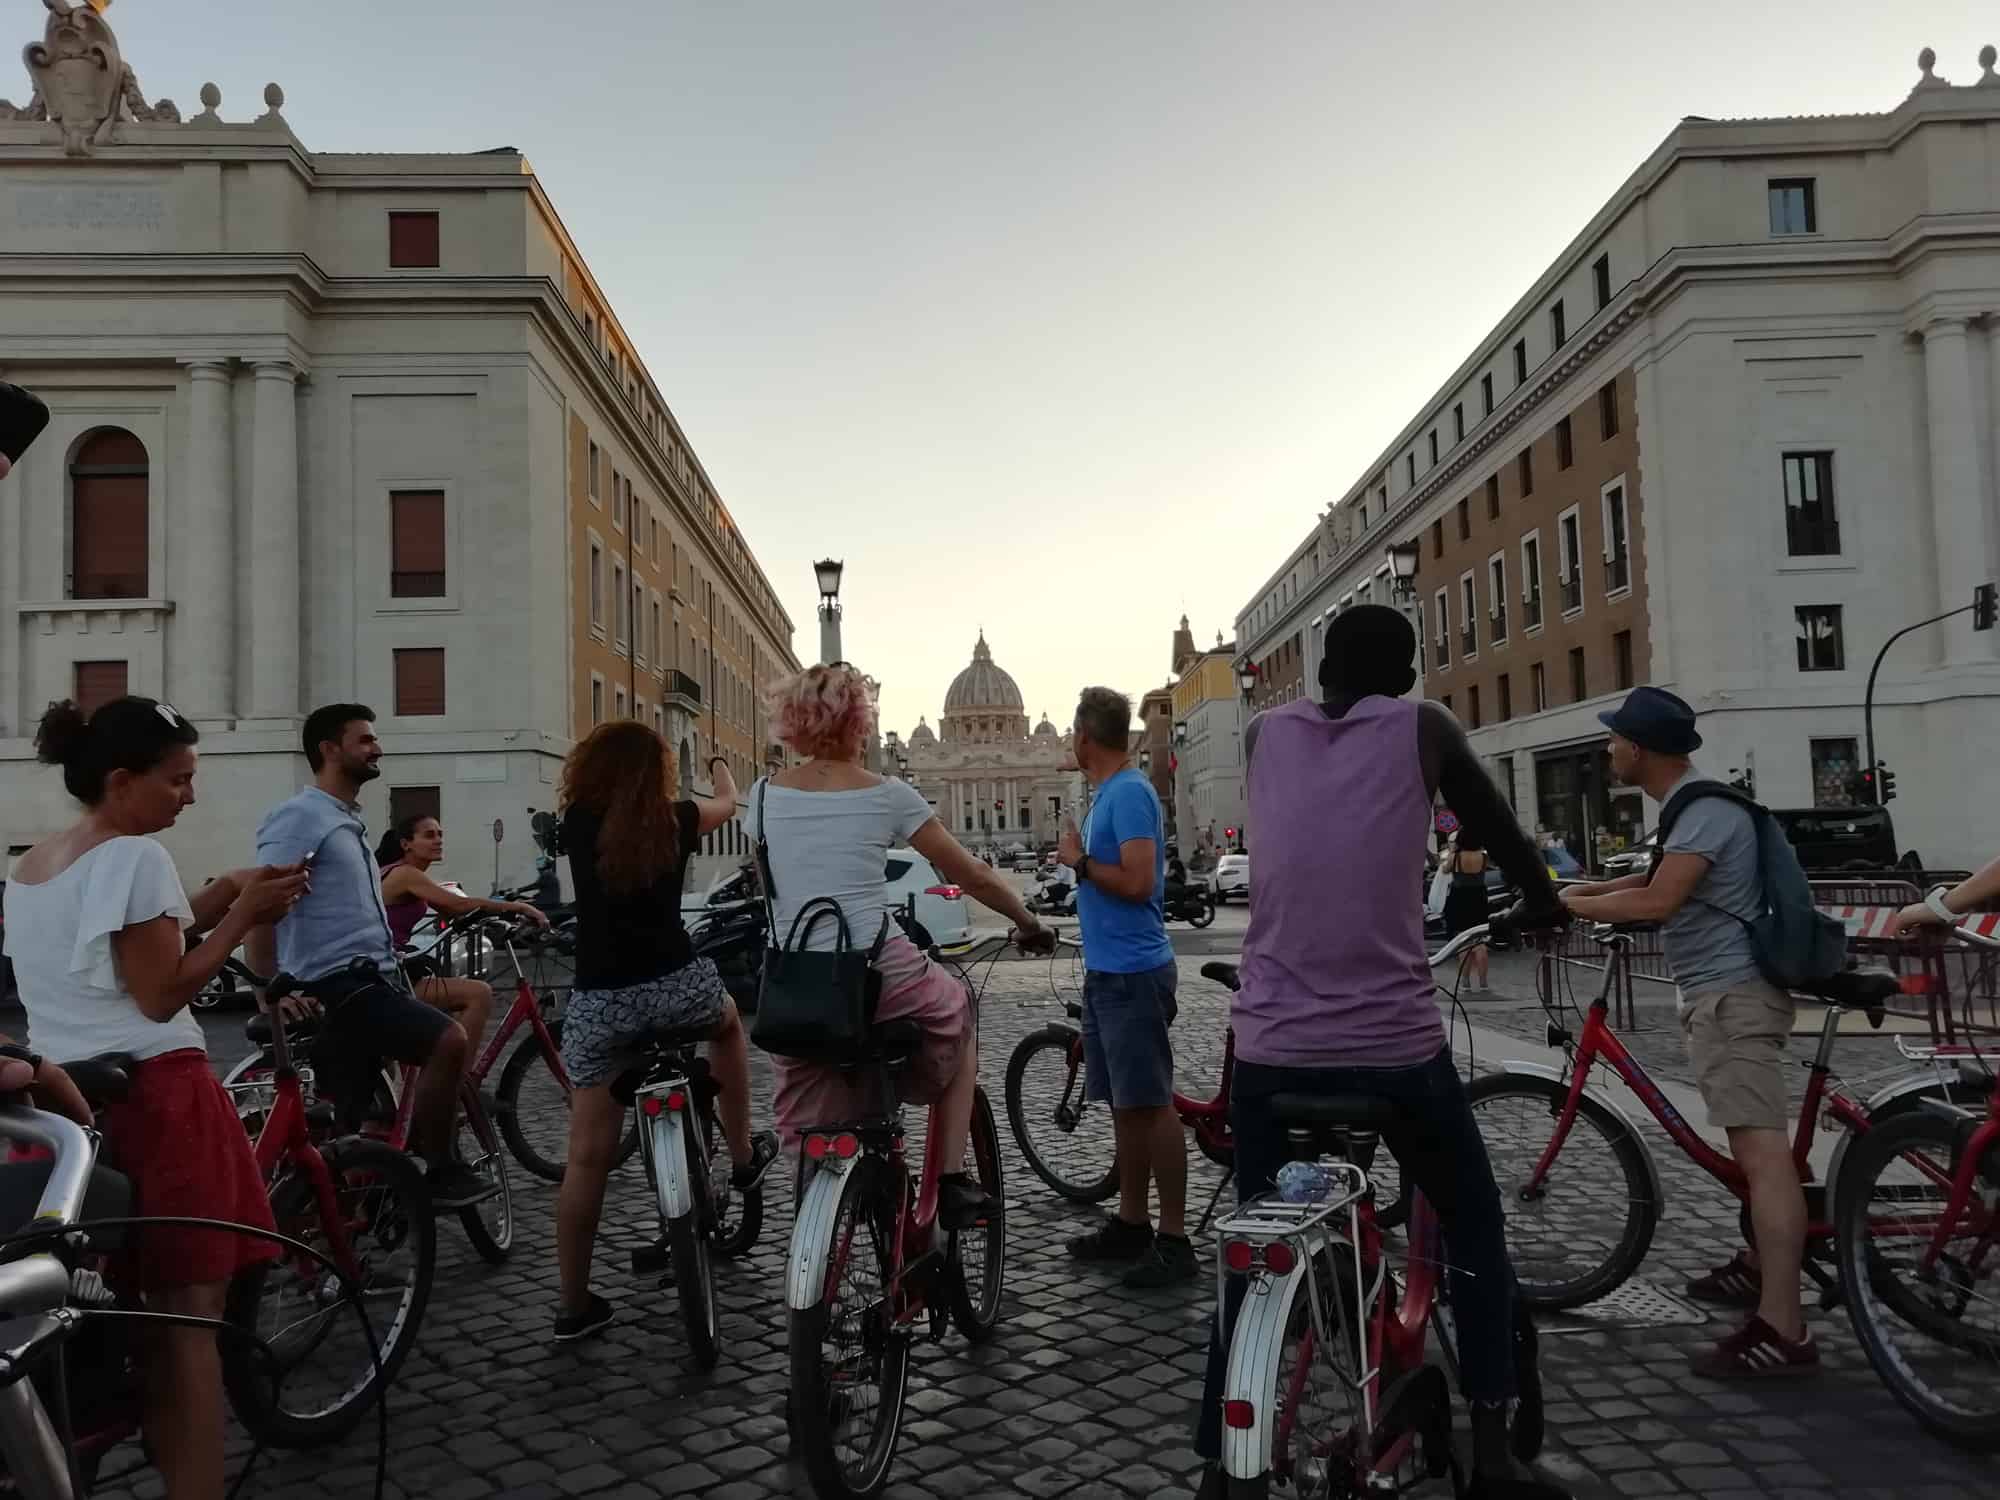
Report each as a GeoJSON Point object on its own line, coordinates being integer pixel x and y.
{"type": "Point", "coordinates": [1934, 899]}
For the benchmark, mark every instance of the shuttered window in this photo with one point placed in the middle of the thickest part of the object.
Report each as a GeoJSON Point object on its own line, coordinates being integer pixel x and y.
{"type": "Point", "coordinates": [420, 682]}
{"type": "Point", "coordinates": [413, 239]}
{"type": "Point", "coordinates": [416, 544]}
{"type": "Point", "coordinates": [97, 683]}
{"type": "Point", "coordinates": [108, 530]}
{"type": "Point", "coordinates": [415, 802]}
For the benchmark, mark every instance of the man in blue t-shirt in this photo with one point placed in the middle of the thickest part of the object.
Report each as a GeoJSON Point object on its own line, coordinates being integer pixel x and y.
{"type": "Point", "coordinates": [1128, 995]}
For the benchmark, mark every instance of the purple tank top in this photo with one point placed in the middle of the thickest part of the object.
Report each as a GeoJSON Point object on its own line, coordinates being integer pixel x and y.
{"type": "Point", "coordinates": [403, 915]}
{"type": "Point", "coordinates": [1334, 970]}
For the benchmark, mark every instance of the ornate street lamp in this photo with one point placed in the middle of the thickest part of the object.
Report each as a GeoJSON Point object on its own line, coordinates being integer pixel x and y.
{"type": "Point", "coordinates": [1403, 566]}
{"type": "Point", "coordinates": [1180, 735]}
{"type": "Point", "coordinates": [827, 571]}
{"type": "Point", "coordinates": [1246, 678]}
{"type": "Point", "coordinates": [1145, 760]}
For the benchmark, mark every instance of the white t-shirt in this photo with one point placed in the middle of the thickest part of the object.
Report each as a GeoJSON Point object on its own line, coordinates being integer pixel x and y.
{"type": "Point", "coordinates": [59, 936]}
{"type": "Point", "coordinates": [835, 844]}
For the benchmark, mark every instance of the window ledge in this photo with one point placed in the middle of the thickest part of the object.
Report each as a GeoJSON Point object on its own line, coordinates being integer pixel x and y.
{"type": "Point", "coordinates": [448, 605]}
{"type": "Point", "coordinates": [89, 615]}
{"type": "Point", "coordinates": [1831, 563]}
{"type": "Point", "coordinates": [1615, 595]}
{"type": "Point", "coordinates": [1572, 614]}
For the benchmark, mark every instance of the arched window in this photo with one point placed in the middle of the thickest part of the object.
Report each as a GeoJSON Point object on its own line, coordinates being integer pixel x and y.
{"type": "Point", "coordinates": [109, 540]}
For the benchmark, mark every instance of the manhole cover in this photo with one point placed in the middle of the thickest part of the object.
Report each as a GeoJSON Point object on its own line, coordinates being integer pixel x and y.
{"type": "Point", "coordinates": [1636, 1304]}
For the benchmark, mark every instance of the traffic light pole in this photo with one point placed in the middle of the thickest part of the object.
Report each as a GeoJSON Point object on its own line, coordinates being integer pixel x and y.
{"type": "Point", "coordinates": [1868, 698]}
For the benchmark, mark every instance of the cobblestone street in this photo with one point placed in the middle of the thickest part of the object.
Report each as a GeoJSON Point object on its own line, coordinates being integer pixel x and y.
{"type": "Point", "coordinates": [1086, 1390]}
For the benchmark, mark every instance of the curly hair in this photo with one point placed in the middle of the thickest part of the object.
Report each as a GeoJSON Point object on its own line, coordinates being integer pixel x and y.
{"type": "Point", "coordinates": [624, 773]}
{"type": "Point", "coordinates": [827, 711]}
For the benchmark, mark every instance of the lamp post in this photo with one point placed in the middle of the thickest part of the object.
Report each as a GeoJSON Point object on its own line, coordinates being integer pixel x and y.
{"type": "Point", "coordinates": [1180, 735]}
{"type": "Point", "coordinates": [1246, 678]}
{"type": "Point", "coordinates": [1403, 568]}
{"type": "Point", "coordinates": [827, 571]}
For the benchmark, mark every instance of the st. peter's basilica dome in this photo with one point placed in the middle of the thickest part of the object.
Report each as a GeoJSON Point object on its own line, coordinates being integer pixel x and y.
{"type": "Point", "coordinates": [982, 686]}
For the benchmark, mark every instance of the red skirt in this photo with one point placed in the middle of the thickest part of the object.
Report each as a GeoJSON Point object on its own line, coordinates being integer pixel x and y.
{"type": "Point", "coordinates": [177, 1136]}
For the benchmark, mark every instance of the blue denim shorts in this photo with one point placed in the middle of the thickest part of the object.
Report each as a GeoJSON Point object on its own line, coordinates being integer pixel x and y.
{"type": "Point", "coordinates": [1128, 1061]}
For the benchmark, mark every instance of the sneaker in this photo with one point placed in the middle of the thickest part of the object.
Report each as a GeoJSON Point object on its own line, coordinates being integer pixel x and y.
{"type": "Point", "coordinates": [963, 1203]}
{"type": "Point", "coordinates": [1757, 1351]}
{"type": "Point", "coordinates": [763, 1151]}
{"type": "Point", "coordinates": [596, 1316]}
{"type": "Point", "coordinates": [1737, 1284]}
{"type": "Point", "coordinates": [1112, 1241]}
{"type": "Point", "coordinates": [455, 1186]}
{"type": "Point", "coordinates": [1169, 1262]}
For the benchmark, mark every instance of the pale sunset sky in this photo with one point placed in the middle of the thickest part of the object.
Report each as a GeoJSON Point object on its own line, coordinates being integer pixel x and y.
{"type": "Point", "coordinates": [1058, 319]}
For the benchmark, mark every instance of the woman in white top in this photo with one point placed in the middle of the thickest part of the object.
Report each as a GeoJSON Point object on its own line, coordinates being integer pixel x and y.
{"type": "Point", "coordinates": [95, 924]}
{"type": "Point", "coordinates": [829, 825]}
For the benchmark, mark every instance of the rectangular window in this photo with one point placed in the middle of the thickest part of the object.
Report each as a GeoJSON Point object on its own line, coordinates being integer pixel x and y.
{"type": "Point", "coordinates": [1565, 449]}
{"type": "Point", "coordinates": [1409, 469]}
{"type": "Point", "coordinates": [1836, 764]}
{"type": "Point", "coordinates": [413, 239]}
{"type": "Point", "coordinates": [590, 472]}
{"type": "Point", "coordinates": [1437, 537]}
{"type": "Point", "coordinates": [1538, 683]}
{"type": "Point", "coordinates": [419, 682]}
{"type": "Point", "coordinates": [1794, 206]}
{"type": "Point", "coordinates": [617, 501]}
{"type": "Point", "coordinates": [416, 544]}
{"type": "Point", "coordinates": [1531, 580]}
{"type": "Point", "coordinates": [1505, 706]}
{"type": "Point", "coordinates": [1472, 706]}
{"type": "Point", "coordinates": [1569, 562]}
{"type": "Point", "coordinates": [1600, 280]}
{"type": "Point", "coordinates": [96, 683]}
{"type": "Point", "coordinates": [638, 622]}
{"type": "Point", "coordinates": [1468, 611]}
{"type": "Point", "coordinates": [1434, 447]}
{"type": "Point", "coordinates": [596, 587]}
{"type": "Point", "coordinates": [1496, 595]}
{"type": "Point", "coordinates": [618, 703]}
{"type": "Point", "coordinates": [596, 701]}
{"type": "Point", "coordinates": [1821, 648]}
{"type": "Point", "coordinates": [1524, 468]}
{"type": "Point", "coordinates": [1520, 361]}
{"type": "Point", "coordinates": [1607, 410]}
{"type": "Point", "coordinates": [1558, 326]}
{"type": "Point", "coordinates": [1486, 394]}
{"type": "Point", "coordinates": [1812, 527]}
{"type": "Point", "coordinates": [1446, 701]}
{"type": "Point", "coordinates": [619, 622]}
{"type": "Point", "coordinates": [1621, 656]}
{"type": "Point", "coordinates": [1464, 519]}
{"type": "Point", "coordinates": [1579, 683]}
{"type": "Point", "coordinates": [1617, 545]}
{"type": "Point", "coordinates": [658, 661]}
{"type": "Point", "coordinates": [1458, 421]}
{"type": "Point", "coordinates": [415, 802]}
{"type": "Point", "coordinates": [1441, 625]}
{"type": "Point", "coordinates": [1503, 772]}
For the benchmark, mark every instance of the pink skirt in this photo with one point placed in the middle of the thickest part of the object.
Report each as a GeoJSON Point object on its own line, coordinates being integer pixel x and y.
{"type": "Point", "coordinates": [913, 988]}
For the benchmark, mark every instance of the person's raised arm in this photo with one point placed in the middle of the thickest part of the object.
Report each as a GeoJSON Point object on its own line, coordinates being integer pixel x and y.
{"type": "Point", "coordinates": [404, 882]}
{"type": "Point", "coordinates": [1651, 900]}
{"type": "Point", "coordinates": [1971, 893]}
{"type": "Point", "coordinates": [973, 875]}
{"type": "Point", "coordinates": [719, 809]}
{"type": "Point", "coordinates": [163, 976]}
{"type": "Point", "coordinates": [1471, 794]}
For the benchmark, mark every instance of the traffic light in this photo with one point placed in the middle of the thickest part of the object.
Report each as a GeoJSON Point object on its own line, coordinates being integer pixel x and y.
{"type": "Point", "coordinates": [1885, 782]}
{"type": "Point", "coordinates": [1864, 789]}
{"type": "Point", "coordinates": [1229, 833]}
{"type": "Point", "coordinates": [1985, 606]}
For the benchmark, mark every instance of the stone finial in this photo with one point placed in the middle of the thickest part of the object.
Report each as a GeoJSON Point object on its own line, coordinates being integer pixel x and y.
{"type": "Point", "coordinates": [1927, 65]}
{"type": "Point", "coordinates": [1988, 55]}
{"type": "Point", "coordinates": [211, 101]}
{"type": "Point", "coordinates": [274, 99]}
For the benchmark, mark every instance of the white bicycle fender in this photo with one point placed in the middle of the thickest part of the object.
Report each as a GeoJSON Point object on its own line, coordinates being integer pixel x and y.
{"type": "Point", "coordinates": [812, 1235]}
{"type": "Point", "coordinates": [1256, 1350]}
{"type": "Point", "coordinates": [664, 1133]}
{"type": "Point", "coordinates": [1610, 1105]}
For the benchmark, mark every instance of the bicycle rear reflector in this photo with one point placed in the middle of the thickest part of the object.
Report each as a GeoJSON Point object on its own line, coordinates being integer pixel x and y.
{"type": "Point", "coordinates": [1241, 1256]}
{"type": "Point", "coordinates": [843, 1147]}
{"type": "Point", "coordinates": [1241, 1415]}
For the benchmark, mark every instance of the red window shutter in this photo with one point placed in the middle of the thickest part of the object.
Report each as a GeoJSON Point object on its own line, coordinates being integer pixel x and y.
{"type": "Point", "coordinates": [415, 802]}
{"type": "Point", "coordinates": [97, 683]}
{"type": "Point", "coordinates": [416, 544]}
{"type": "Point", "coordinates": [420, 682]}
{"type": "Point", "coordinates": [413, 239]}
{"type": "Point", "coordinates": [110, 549]}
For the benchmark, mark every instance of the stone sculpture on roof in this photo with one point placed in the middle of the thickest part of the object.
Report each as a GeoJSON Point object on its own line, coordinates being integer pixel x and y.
{"type": "Point", "coordinates": [84, 87]}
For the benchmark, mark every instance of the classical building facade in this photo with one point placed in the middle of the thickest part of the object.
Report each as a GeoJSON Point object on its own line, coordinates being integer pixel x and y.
{"type": "Point", "coordinates": [1209, 718]}
{"type": "Point", "coordinates": [334, 427]}
{"type": "Point", "coordinates": [995, 783]}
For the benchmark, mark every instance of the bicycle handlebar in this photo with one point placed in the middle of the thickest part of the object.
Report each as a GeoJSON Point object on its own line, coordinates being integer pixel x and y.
{"type": "Point", "coordinates": [1975, 939]}
{"type": "Point", "coordinates": [38, 1283]}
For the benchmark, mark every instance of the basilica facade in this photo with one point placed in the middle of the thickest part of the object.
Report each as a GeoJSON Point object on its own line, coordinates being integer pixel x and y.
{"type": "Point", "coordinates": [995, 783]}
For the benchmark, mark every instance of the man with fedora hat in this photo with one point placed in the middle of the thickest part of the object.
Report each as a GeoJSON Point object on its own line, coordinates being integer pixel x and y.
{"type": "Point", "coordinates": [1704, 889]}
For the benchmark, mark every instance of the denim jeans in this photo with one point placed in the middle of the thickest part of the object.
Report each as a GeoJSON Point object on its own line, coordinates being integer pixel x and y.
{"type": "Point", "coordinates": [1438, 1147]}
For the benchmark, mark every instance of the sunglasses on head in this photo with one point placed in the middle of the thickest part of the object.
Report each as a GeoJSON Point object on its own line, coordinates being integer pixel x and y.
{"type": "Point", "coordinates": [172, 715]}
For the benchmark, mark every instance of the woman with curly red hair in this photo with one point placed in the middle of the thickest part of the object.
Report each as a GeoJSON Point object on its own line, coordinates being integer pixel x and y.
{"type": "Point", "coordinates": [629, 839]}
{"type": "Point", "coordinates": [828, 826]}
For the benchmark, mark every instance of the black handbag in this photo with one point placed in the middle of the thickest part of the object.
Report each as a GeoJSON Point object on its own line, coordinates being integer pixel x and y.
{"type": "Point", "coordinates": [813, 1005]}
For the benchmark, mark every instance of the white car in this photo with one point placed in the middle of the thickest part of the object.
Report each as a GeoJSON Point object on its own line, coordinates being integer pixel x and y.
{"type": "Point", "coordinates": [1231, 878]}
{"type": "Point", "coordinates": [940, 905]}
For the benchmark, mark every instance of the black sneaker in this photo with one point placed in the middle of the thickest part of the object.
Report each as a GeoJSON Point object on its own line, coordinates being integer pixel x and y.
{"type": "Point", "coordinates": [763, 1151]}
{"type": "Point", "coordinates": [455, 1186]}
{"type": "Point", "coordinates": [963, 1203]}
{"type": "Point", "coordinates": [1112, 1242]}
{"type": "Point", "coordinates": [1169, 1261]}
{"type": "Point", "coordinates": [596, 1316]}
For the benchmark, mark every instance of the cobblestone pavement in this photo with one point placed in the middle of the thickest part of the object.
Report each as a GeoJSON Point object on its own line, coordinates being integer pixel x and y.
{"type": "Point", "coordinates": [1086, 1390]}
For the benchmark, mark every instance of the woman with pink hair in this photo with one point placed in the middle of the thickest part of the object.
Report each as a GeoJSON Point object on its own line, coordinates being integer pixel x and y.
{"type": "Point", "coordinates": [828, 826]}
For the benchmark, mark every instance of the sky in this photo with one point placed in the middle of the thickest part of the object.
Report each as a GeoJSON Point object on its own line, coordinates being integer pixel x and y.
{"type": "Point", "coordinates": [1058, 320]}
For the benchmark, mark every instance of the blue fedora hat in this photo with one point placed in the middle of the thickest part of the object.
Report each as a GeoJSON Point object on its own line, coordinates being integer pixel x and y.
{"type": "Point", "coordinates": [1654, 719]}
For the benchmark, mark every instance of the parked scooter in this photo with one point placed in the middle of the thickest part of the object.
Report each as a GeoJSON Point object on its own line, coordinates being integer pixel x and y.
{"type": "Point", "coordinates": [1056, 896]}
{"type": "Point", "coordinates": [1191, 903]}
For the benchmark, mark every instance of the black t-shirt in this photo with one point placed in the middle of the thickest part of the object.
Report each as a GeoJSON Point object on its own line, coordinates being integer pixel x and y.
{"type": "Point", "coordinates": [628, 938]}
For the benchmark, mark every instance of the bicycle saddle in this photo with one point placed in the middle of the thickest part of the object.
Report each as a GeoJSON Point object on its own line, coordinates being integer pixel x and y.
{"type": "Point", "coordinates": [1223, 974]}
{"type": "Point", "coordinates": [102, 1080]}
{"type": "Point", "coordinates": [1340, 1111]}
{"type": "Point", "coordinates": [258, 1029]}
{"type": "Point", "coordinates": [1859, 989]}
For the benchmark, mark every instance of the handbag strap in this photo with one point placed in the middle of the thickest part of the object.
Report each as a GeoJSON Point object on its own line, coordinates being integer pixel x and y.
{"type": "Point", "coordinates": [764, 866]}
{"type": "Point", "coordinates": [812, 913]}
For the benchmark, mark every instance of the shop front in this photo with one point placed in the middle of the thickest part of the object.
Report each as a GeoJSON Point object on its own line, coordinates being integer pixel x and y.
{"type": "Point", "coordinates": [1578, 804]}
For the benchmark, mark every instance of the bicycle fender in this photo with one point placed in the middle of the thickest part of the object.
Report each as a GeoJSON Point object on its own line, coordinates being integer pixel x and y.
{"type": "Point", "coordinates": [812, 1235]}
{"type": "Point", "coordinates": [1256, 1350]}
{"type": "Point", "coordinates": [1609, 1105]}
{"type": "Point", "coordinates": [665, 1143]}
{"type": "Point", "coordinates": [1900, 1091]}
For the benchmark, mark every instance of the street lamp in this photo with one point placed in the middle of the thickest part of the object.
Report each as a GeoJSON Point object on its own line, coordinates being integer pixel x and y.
{"type": "Point", "coordinates": [1180, 735]}
{"type": "Point", "coordinates": [1403, 566]}
{"type": "Point", "coordinates": [1246, 678]}
{"type": "Point", "coordinates": [827, 571]}
{"type": "Point", "coordinates": [1145, 760]}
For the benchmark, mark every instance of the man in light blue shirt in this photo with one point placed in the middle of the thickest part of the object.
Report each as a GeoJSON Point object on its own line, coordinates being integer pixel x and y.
{"type": "Point", "coordinates": [1129, 985]}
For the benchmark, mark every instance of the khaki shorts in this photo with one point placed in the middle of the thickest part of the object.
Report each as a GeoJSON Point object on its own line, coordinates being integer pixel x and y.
{"type": "Point", "coordinates": [1736, 1039]}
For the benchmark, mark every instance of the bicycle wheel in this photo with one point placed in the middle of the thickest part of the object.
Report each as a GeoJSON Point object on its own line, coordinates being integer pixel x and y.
{"type": "Point", "coordinates": [1066, 1140]}
{"type": "Point", "coordinates": [1932, 1335]}
{"type": "Point", "coordinates": [694, 1268]}
{"type": "Point", "coordinates": [979, 1255]}
{"type": "Point", "coordinates": [850, 1363]}
{"type": "Point", "coordinates": [736, 1215]}
{"type": "Point", "coordinates": [489, 1224]}
{"type": "Point", "coordinates": [1590, 1224]}
{"type": "Point", "coordinates": [532, 1108]}
{"type": "Point", "coordinates": [1309, 1407]}
{"type": "Point", "coordinates": [321, 1374]}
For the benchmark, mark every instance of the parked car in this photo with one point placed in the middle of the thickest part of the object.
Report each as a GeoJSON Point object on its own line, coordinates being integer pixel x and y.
{"type": "Point", "coordinates": [1828, 840]}
{"type": "Point", "coordinates": [940, 906]}
{"type": "Point", "coordinates": [1231, 878]}
{"type": "Point", "coordinates": [1023, 860]}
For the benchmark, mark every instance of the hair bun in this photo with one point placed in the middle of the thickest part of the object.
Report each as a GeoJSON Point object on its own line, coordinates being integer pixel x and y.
{"type": "Point", "coordinates": [59, 739]}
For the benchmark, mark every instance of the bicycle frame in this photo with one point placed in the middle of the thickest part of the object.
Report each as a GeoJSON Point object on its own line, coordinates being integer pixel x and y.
{"type": "Point", "coordinates": [527, 1010]}
{"type": "Point", "coordinates": [1207, 1118]}
{"type": "Point", "coordinates": [287, 1139]}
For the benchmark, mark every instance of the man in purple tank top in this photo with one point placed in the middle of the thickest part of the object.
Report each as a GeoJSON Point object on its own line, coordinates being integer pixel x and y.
{"type": "Point", "coordinates": [1337, 994]}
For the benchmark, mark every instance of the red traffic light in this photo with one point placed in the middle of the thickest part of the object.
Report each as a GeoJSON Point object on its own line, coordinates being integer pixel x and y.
{"type": "Point", "coordinates": [1229, 833]}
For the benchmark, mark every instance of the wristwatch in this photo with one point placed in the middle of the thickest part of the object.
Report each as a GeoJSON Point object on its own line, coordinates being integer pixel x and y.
{"type": "Point", "coordinates": [1934, 899]}
{"type": "Point", "coordinates": [1082, 868]}
{"type": "Point", "coordinates": [21, 1054]}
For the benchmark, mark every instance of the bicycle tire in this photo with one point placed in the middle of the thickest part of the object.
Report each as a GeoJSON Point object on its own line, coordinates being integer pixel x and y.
{"type": "Point", "coordinates": [1076, 1180]}
{"type": "Point", "coordinates": [694, 1269]}
{"type": "Point", "coordinates": [490, 1224]}
{"type": "Point", "coordinates": [1292, 1323]}
{"type": "Point", "coordinates": [976, 1310]}
{"type": "Point", "coordinates": [1576, 1236]}
{"type": "Point", "coordinates": [401, 1208]}
{"type": "Point", "coordinates": [867, 1212]}
{"type": "Point", "coordinates": [528, 1134]}
{"type": "Point", "coordinates": [1889, 1313]}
